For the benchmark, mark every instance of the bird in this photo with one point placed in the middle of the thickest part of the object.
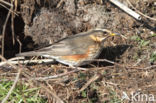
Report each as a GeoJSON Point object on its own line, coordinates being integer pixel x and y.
{"type": "Point", "coordinates": [75, 50]}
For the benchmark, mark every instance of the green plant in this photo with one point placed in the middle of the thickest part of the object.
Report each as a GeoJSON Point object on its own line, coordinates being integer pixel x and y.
{"type": "Point", "coordinates": [84, 94]}
{"type": "Point", "coordinates": [82, 76]}
{"type": "Point", "coordinates": [113, 97]}
{"type": "Point", "coordinates": [141, 42]}
{"type": "Point", "coordinates": [21, 93]}
{"type": "Point", "coordinates": [153, 57]}
{"type": "Point", "coordinates": [153, 35]}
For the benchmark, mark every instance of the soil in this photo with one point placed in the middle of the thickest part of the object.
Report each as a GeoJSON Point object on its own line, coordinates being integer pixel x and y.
{"type": "Point", "coordinates": [41, 23]}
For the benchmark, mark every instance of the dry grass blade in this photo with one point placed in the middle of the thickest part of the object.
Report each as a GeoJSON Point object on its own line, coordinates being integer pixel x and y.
{"type": "Point", "coordinates": [123, 36]}
{"type": "Point", "coordinates": [12, 27]}
{"type": "Point", "coordinates": [7, 62]}
{"type": "Point", "coordinates": [126, 9]}
{"type": "Point", "coordinates": [15, 81]}
{"type": "Point", "coordinates": [140, 12]}
{"type": "Point", "coordinates": [13, 86]}
{"type": "Point", "coordinates": [4, 29]}
{"type": "Point", "coordinates": [94, 78]}
{"type": "Point", "coordinates": [150, 67]}
{"type": "Point", "coordinates": [57, 99]}
{"type": "Point", "coordinates": [4, 6]}
{"type": "Point", "coordinates": [20, 60]}
{"type": "Point", "coordinates": [7, 3]}
{"type": "Point", "coordinates": [20, 44]}
{"type": "Point", "coordinates": [56, 76]}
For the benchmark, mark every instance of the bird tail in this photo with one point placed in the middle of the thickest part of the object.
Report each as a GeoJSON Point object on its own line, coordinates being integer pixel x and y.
{"type": "Point", "coordinates": [31, 53]}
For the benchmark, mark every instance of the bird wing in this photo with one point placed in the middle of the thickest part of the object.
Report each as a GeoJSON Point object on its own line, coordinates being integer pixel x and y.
{"type": "Point", "coordinates": [63, 48]}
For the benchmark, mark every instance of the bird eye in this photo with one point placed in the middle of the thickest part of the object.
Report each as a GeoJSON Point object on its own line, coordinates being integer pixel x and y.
{"type": "Point", "coordinates": [105, 32]}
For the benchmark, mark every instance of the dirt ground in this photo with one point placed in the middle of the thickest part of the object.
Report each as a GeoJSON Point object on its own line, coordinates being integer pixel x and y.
{"type": "Point", "coordinates": [131, 77]}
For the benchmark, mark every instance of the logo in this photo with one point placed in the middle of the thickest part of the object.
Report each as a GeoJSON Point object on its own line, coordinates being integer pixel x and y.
{"type": "Point", "coordinates": [138, 97]}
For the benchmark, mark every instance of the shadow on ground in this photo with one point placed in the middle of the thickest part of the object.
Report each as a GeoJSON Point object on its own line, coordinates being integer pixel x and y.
{"type": "Point", "coordinates": [112, 54]}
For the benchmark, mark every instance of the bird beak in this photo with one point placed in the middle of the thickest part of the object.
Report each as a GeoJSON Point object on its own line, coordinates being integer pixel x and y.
{"type": "Point", "coordinates": [114, 34]}
{"type": "Point", "coordinates": [111, 34]}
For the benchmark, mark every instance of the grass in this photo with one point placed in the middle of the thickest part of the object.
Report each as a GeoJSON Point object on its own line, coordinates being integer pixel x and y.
{"type": "Point", "coordinates": [22, 93]}
{"type": "Point", "coordinates": [141, 42]}
{"type": "Point", "coordinates": [113, 97]}
{"type": "Point", "coordinates": [153, 57]}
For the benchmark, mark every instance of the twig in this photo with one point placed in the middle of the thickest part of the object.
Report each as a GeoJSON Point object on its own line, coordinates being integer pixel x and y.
{"type": "Point", "coordinates": [15, 81]}
{"type": "Point", "coordinates": [51, 91]}
{"type": "Point", "coordinates": [140, 12]}
{"type": "Point", "coordinates": [12, 24]}
{"type": "Point", "coordinates": [55, 76]}
{"type": "Point", "coordinates": [153, 66]}
{"type": "Point", "coordinates": [4, 28]}
{"type": "Point", "coordinates": [123, 36]}
{"type": "Point", "coordinates": [59, 75]}
{"type": "Point", "coordinates": [76, 69]}
{"type": "Point", "coordinates": [8, 9]}
{"type": "Point", "coordinates": [16, 58]}
{"type": "Point", "coordinates": [126, 9]}
{"type": "Point", "coordinates": [103, 60]}
{"type": "Point", "coordinates": [5, 2]}
{"type": "Point", "coordinates": [111, 83]}
{"type": "Point", "coordinates": [7, 62]}
{"type": "Point", "coordinates": [13, 86]}
{"type": "Point", "coordinates": [20, 44]}
{"type": "Point", "coordinates": [4, 6]}
{"type": "Point", "coordinates": [64, 74]}
{"type": "Point", "coordinates": [60, 3]}
{"type": "Point", "coordinates": [18, 61]}
{"type": "Point", "coordinates": [94, 78]}
{"type": "Point", "coordinates": [54, 95]}
{"type": "Point", "coordinates": [109, 61]}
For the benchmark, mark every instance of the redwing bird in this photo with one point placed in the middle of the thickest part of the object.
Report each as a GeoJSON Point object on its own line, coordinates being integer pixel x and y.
{"type": "Point", "coordinates": [75, 50]}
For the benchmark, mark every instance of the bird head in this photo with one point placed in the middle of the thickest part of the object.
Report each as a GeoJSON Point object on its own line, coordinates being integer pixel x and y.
{"type": "Point", "coordinates": [99, 35]}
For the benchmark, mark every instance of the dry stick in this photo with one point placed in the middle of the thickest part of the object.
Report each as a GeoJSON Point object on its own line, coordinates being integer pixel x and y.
{"type": "Point", "coordinates": [16, 58]}
{"type": "Point", "coordinates": [5, 2]}
{"type": "Point", "coordinates": [12, 25]}
{"type": "Point", "coordinates": [108, 61]}
{"type": "Point", "coordinates": [8, 9]}
{"type": "Point", "coordinates": [55, 76]}
{"type": "Point", "coordinates": [58, 75]}
{"type": "Point", "coordinates": [4, 28]}
{"type": "Point", "coordinates": [77, 69]}
{"type": "Point", "coordinates": [15, 81]}
{"type": "Point", "coordinates": [26, 61]}
{"type": "Point", "coordinates": [64, 74]}
{"type": "Point", "coordinates": [126, 9]}
{"type": "Point", "coordinates": [94, 78]}
{"type": "Point", "coordinates": [21, 60]}
{"type": "Point", "coordinates": [153, 66]}
{"type": "Point", "coordinates": [4, 6]}
{"type": "Point", "coordinates": [20, 44]}
{"type": "Point", "coordinates": [13, 86]}
{"type": "Point", "coordinates": [60, 3]}
{"type": "Point", "coordinates": [7, 62]}
{"type": "Point", "coordinates": [111, 83]}
{"type": "Point", "coordinates": [121, 65]}
{"type": "Point", "coordinates": [140, 12]}
{"type": "Point", "coordinates": [53, 93]}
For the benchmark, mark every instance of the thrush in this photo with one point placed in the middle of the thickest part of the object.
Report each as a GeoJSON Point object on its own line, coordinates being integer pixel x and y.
{"type": "Point", "coordinates": [75, 50]}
